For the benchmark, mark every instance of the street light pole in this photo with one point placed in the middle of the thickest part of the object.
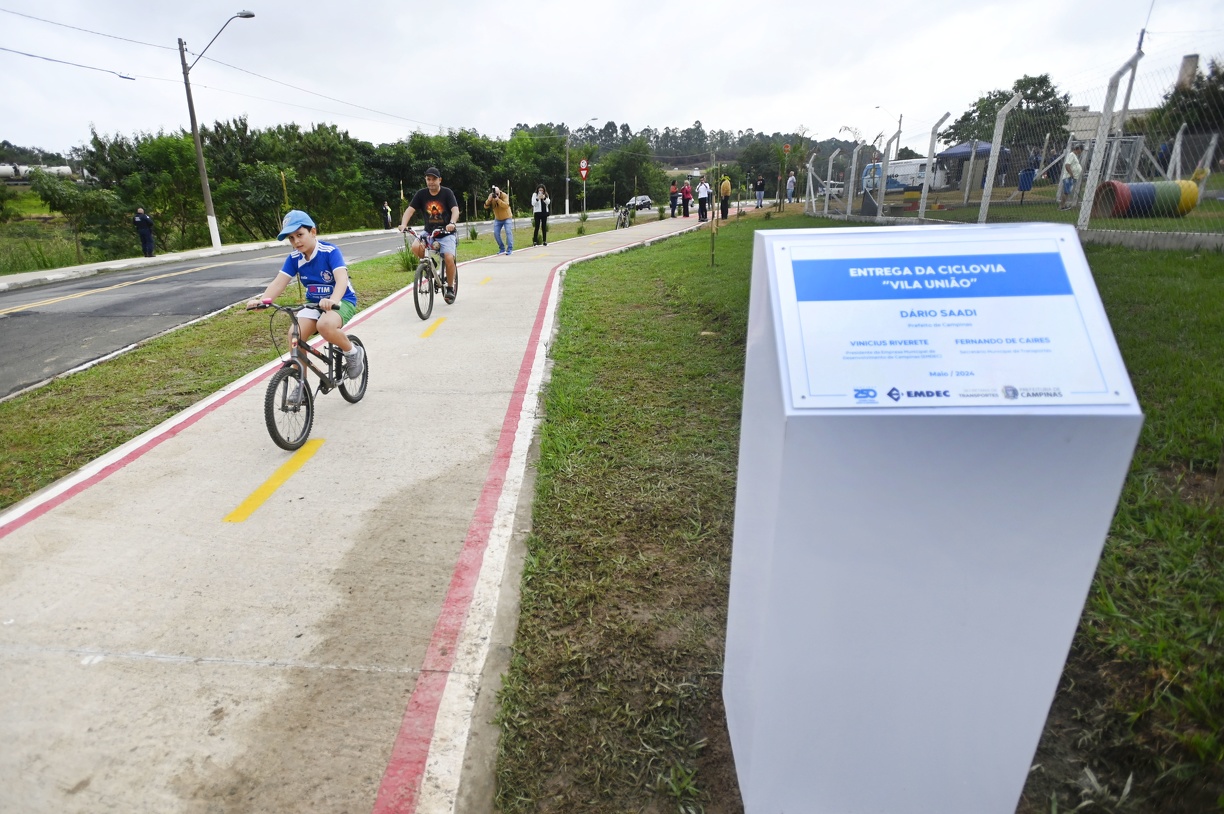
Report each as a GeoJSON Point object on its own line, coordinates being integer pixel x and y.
{"type": "Point", "coordinates": [213, 231]}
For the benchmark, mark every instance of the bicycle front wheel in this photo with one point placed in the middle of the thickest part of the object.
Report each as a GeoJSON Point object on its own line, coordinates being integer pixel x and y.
{"type": "Point", "coordinates": [289, 408]}
{"type": "Point", "coordinates": [353, 389]}
{"type": "Point", "coordinates": [423, 289]}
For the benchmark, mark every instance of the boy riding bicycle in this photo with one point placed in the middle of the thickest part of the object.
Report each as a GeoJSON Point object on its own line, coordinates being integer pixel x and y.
{"type": "Point", "coordinates": [320, 266]}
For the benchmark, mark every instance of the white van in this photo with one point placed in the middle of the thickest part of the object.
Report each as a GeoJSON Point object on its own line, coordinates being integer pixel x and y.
{"type": "Point", "coordinates": [907, 173]}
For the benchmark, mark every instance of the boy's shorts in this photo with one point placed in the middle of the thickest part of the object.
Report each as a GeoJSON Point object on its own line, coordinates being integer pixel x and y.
{"type": "Point", "coordinates": [346, 311]}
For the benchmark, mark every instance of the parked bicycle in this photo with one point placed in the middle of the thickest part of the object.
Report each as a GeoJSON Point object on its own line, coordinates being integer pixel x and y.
{"type": "Point", "coordinates": [430, 277]}
{"type": "Point", "coordinates": [622, 217]}
{"type": "Point", "coordinates": [289, 401]}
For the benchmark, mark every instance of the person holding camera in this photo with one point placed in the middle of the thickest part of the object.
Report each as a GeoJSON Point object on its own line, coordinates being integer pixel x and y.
{"type": "Point", "coordinates": [503, 218]}
{"type": "Point", "coordinates": [539, 208]}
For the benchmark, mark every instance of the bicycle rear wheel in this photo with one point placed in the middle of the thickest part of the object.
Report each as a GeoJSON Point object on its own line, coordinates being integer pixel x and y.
{"type": "Point", "coordinates": [353, 389]}
{"type": "Point", "coordinates": [288, 412]}
{"type": "Point", "coordinates": [423, 289]}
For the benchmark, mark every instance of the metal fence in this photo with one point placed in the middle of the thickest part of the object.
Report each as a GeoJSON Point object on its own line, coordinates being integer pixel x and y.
{"type": "Point", "coordinates": [1138, 157]}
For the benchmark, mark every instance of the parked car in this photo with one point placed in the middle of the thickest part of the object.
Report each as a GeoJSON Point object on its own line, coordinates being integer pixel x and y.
{"type": "Point", "coordinates": [639, 202]}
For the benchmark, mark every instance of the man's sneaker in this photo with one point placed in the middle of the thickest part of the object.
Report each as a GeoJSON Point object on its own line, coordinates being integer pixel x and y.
{"type": "Point", "coordinates": [449, 296]}
{"type": "Point", "coordinates": [510, 252]}
{"type": "Point", "coordinates": [354, 362]}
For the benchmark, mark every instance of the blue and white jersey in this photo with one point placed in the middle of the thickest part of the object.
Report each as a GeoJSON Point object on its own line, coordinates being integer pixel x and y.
{"type": "Point", "coordinates": [319, 272]}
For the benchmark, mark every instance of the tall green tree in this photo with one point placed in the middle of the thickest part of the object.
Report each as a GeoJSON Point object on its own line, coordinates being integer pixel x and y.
{"type": "Point", "coordinates": [1041, 110]}
{"type": "Point", "coordinates": [98, 219]}
{"type": "Point", "coordinates": [1200, 106]}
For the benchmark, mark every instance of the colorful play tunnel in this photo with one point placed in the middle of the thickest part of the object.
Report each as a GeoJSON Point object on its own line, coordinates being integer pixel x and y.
{"type": "Point", "coordinates": [1149, 199]}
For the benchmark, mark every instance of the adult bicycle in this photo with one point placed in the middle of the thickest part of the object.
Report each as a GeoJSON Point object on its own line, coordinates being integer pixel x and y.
{"type": "Point", "coordinates": [289, 400]}
{"type": "Point", "coordinates": [622, 217]}
{"type": "Point", "coordinates": [430, 277]}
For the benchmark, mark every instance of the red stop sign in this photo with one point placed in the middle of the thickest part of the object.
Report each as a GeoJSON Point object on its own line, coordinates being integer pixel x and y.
{"type": "Point", "coordinates": [583, 168]}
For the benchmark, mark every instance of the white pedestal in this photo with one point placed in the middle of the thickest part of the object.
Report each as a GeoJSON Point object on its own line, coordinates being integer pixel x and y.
{"type": "Point", "coordinates": [906, 580]}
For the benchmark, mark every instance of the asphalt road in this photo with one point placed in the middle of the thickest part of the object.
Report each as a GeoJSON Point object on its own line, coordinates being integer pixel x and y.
{"type": "Point", "coordinates": [50, 329]}
{"type": "Point", "coordinates": [53, 328]}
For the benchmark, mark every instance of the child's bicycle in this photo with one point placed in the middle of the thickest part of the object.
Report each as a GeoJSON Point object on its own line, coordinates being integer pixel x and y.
{"type": "Point", "coordinates": [622, 217]}
{"type": "Point", "coordinates": [289, 401]}
{"type": "Point", "coordinates": [430, 275]}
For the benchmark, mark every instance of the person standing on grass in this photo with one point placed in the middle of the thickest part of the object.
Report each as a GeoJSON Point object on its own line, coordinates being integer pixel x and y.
{"type": "Point", "coordinates": [1072, 170]}
{"type": "Point", "coordinates": [790, 187]}
{"type": "Point", "coordinates": [724, 192]}
{"type": "Point", "coordinates": [686, 197]}
{"type": "Point", "coordinates": [759, 189]}
{"type": "Point", "coordinates": [144, 229]}
{"type": "Point", "coordinates": [503, 218]}
{"type": "Point", "coordinates": [539, 209]}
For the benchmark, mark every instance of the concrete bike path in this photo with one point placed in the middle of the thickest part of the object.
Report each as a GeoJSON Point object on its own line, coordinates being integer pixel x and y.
{"type": "Point", "coordinates": [326, 652]}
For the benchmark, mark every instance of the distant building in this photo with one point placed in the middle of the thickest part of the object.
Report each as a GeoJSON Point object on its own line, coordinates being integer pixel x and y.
{"type": "Point", "coordinates": [1083, 123]}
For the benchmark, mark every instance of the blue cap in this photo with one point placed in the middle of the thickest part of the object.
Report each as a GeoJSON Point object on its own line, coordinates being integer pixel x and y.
{"type": "Point", "coordinates": [293, 221]}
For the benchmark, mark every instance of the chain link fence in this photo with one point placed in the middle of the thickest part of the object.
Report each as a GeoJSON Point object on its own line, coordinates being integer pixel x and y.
{"type": "Point", "coordinates": [1138, 158]}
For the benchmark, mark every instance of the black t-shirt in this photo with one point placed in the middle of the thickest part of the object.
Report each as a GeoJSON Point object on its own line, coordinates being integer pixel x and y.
{"type": "Point", "coordinates": [436, 209]}
{"type": "Point", "coordinates": [759, 186]}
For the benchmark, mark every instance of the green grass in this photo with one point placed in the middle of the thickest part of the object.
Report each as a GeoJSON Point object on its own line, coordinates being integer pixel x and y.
{"type": "Point", "coordinates": [612, 701]}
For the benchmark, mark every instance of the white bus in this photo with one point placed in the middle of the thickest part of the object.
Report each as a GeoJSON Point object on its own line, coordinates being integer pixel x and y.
{"type": "Point", "coordinates": [908, 173]}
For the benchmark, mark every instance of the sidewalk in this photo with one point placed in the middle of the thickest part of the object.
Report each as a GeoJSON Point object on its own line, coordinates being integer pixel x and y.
{"type": "Point", "coordinates": [326, 653]}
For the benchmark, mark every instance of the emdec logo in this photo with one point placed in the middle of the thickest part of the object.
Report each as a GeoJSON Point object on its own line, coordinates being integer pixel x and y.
{"type": "Point", "coordinates": [894, 394]}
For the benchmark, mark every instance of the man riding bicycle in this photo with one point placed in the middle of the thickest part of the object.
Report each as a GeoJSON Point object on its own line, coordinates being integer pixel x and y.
{"type": "Point", "coordinates": [320, 265]}
{"type": "Point", "coordinates": [440, 209]}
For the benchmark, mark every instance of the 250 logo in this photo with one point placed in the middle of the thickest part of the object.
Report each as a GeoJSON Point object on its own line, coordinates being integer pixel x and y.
{"type": "Point", "coordinates": [864, 393]}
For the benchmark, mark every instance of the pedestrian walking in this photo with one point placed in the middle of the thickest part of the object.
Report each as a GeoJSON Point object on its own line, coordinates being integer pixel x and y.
{"type": "Point", "coordinates": [759, 188]}
{"type": "Point", "coordinates": [724, 192]}
{"type": "Point", "coordinates": [386, 209]}
{"type": "Point", "coordinates": [1072, 170]}
{"type": "Point", "coordinates": [144, 229]}
{"type": "Point", "coordinates": [790, 187]}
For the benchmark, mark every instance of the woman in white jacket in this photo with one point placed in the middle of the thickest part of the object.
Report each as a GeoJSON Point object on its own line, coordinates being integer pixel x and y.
{"type": "Point", "coordinates": [539, 206]}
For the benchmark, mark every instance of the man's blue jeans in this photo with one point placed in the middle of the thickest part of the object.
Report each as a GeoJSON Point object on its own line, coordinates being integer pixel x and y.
{"type": "Point", "coordinates": [498, 226]}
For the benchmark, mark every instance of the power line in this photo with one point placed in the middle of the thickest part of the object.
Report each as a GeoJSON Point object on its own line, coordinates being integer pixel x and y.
{"type": "Point", "coordinates": [65, 62]}
{"type": "Point", "coordinates": [86, 30]}
{"type": "Point", "coordinates": [323, 96]}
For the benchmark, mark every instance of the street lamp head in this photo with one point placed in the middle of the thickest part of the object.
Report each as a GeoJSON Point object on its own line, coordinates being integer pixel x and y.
{"type": "Point", "coordinates": [244, 14]}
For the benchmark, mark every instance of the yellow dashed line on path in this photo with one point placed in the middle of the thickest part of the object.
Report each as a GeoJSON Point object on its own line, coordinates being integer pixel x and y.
{"type": "Point", "coordinates": [485, 280]}
{"type": "Point", "coordinates": [278, 479]}
{"type": "Point", "coordinates": [433, 327]}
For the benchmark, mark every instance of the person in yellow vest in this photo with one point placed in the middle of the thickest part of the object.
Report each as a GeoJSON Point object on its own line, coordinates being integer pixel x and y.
{"type": "Point", "coordinates": [503, 218]}
{"type": "Point", "coordinates": [724, 193]}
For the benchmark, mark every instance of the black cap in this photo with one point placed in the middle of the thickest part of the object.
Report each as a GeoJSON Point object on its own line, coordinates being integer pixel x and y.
{"type": "Point", "coordinates": [434, 172]}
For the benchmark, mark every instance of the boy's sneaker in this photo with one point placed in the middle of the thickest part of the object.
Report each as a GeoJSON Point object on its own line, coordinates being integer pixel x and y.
{"type": "Point", "coordinates": [354, 362]}
{"type": "Point", "coordinates": [296, 396]}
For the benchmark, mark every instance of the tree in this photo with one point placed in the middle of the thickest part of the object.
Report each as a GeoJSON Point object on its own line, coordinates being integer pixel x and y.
{"type": "Point", "coordinates": [1200, 106]}
{"type": "Point", "coordinates": [97, 217]}
{"type": "Point", "coordinates": [906, 152]}
{"type": "Point", "coordinates": [1041, 110]}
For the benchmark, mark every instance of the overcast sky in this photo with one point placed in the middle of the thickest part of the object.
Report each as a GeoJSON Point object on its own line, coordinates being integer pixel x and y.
{"type": "Point", "coordinates": [394, 67]}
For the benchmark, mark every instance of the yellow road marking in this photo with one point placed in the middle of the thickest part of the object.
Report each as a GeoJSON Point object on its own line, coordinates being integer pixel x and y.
{"type": "Point", "coordinates": [278, 479]}
{"type": "Point", "coordinates": [54, 300]}
{"type": "Point", "coordinates": [433, 327]}
{"type": "Point", "coordinates": [485, 280]}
